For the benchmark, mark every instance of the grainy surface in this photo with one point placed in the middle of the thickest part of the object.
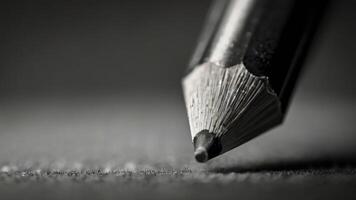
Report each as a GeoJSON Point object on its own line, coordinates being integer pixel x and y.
{"type": "Point", "coordinates": [128, 149]}
{"type": "Point", "coordinates": [152, 183]}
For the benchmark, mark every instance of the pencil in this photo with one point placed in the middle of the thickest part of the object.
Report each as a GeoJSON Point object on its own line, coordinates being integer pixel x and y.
{"type": "Point", "coordinates": [244, 70]}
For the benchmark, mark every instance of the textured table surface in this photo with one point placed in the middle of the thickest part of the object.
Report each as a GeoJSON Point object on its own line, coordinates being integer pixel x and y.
{"type": "Point", "coordinates": [113, 183]}
{"type": "Point", "coordinates": [111, 147]}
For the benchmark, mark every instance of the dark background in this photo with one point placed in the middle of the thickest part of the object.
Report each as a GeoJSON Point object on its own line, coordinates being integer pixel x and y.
{"type": "Point", "coordinates": [99, 82]}
{"type": "Point", "coordinates": [95, 46]}
{"type": "Point", "coordinates": [120, 46]}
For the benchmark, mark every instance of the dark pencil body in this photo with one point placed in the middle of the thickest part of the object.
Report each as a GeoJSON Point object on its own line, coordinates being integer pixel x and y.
{"type": "Point", "coordinates": [244, 70]}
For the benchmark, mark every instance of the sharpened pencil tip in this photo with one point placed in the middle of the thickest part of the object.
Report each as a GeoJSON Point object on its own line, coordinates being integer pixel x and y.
{"type": "Point", "coordinates": [201, 154]}
{"type": "Point", "coordinates": [205, 146]}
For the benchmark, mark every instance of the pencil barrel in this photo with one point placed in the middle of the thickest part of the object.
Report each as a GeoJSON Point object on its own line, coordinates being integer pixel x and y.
{"type": "Point", "coordinates": [270, 37]}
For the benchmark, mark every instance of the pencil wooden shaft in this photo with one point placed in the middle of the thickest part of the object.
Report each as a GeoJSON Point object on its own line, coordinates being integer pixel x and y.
{"type": "Point", "coordinates": [268, 36]}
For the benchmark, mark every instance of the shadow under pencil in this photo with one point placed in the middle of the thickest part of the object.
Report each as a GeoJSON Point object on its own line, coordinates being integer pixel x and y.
{"type": "Point", "coordinates": [321, 165]}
